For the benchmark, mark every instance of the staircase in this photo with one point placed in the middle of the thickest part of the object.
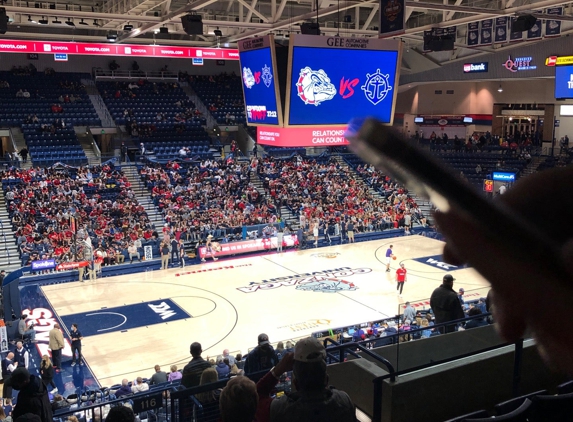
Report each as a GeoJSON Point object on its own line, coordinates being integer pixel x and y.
{"type": "Point", "coordinates": [532, 166]}
{"type": "Point", "coordinates": [143, 196]}
{"type": "Point", "coordinates": [19, 143]}
{"type": "Point", "coordinates": [9, 255]}
{"type": "Point", "coordinates": [99, 105]}
{"type": "Point", "coordinates": [86, 141]}
{"type": "Point", "coordinates": [211, 122]}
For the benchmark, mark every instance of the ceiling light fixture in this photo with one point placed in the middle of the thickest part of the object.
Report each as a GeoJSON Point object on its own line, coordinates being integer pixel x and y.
{"type": "Point", "coordinates": [128, 27]}
{"type": "Point", "coordinates": [83, 23]}
{"type": "Point", "coordinates": [57, 22]}
{"type": "Point", "coordinates": [112, 37]}
{"type": "Point", "coordinates": [43, 21]}
{"type": "Point", "coordinates": [218, 32]}
{"type": "Point", "coordinates": [500, 89]}
{"type": "Point", "coordinates": [70, 22]}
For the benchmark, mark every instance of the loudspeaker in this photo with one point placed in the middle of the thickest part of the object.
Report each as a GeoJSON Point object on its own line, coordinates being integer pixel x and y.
{"type": "Point", "coordinates": [443, 43]}
{"type": "Point", "coordinates": [310, 28]}
{"type": "Point", "coordinates": [192, 24]}
{"type": "Point", "coordinates": [3, 21]}
{"type": "Point", "coordinates": [523, 23]}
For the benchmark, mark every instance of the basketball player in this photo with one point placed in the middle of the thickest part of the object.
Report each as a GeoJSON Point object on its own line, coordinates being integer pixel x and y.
{"type": "Point", "coordinates": [400, 278]}
{"type": "Point", "coordinates": [389, 257]}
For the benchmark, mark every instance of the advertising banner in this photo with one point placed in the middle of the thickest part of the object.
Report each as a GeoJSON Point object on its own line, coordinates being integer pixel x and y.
{"type": "Point", "coordinates": [501, 29]}
{"type": "Point", "coordinates": [73, 48]}
{"type": "Point", "coordinates": [564, 82]}
{"type": "Point", "coordinates": [3, 337]}
{"type": "Point", "coordinates": [246, 246]}
{"type": "Point", "coordinates": [46, 264]}
{"type": "Point", "coordinates": [302, 136]}
{"type": "Point", "coordinates": [72, 265]}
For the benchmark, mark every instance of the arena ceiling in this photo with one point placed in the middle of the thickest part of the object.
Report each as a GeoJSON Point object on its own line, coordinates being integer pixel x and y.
{"type": "Point", "coordinates": [92, 21]}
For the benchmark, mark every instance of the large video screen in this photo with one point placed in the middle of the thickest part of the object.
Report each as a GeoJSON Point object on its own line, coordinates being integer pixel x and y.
{"type": "Point", "coordinates": [259, 81]}
{"type": "Point", "coordinates": [563, 81]}
{"type": "Point", "coordinates": [331, 86]}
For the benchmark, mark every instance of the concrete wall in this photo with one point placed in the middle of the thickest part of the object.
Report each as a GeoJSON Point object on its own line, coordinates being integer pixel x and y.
{"type": "Point", "coordinates": [444, 391]}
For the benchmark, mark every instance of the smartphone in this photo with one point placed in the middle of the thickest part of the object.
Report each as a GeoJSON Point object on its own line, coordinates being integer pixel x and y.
{"type": "Point", "coordinates": [386, 149]}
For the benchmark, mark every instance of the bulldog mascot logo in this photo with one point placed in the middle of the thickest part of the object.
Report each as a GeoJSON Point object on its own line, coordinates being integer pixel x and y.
{"type": "Point", "coordinates": [314, 86]}
{"type": "Point", "coordinates": [248, 78]}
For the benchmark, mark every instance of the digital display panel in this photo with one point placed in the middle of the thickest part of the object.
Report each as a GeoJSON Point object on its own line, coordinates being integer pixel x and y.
{"type": "Point", "coordinates": [468, 119]}
{"type": "Point", "coordinates": [418, 120]}
{"type": "Point", "coordinates": [259, 81]}
{"type": "Point", "coordinates": [564, 82]}
{"type": "Point", "coordinates": [343, 79]}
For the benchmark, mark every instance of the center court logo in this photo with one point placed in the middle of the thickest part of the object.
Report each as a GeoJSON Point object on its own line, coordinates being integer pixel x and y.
{"type": "Point", "coordinates": [330, 281]}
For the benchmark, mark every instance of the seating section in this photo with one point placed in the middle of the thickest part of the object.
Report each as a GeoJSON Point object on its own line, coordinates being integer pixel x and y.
{"type": "Point", "coordinates": [467, 164]}
{"type": "Point", "coordinates": [159, 115]}
{"type": "Point", "coordinates": [49, 145]}
{"type": "Point", "coordinates": [223, 95]}
{"type": "Point", "coordinates": [28, 97]}
{"type": "Point", "coordinates": [39, 204]}
{"type": "Point", "coordinates": [211, 197]}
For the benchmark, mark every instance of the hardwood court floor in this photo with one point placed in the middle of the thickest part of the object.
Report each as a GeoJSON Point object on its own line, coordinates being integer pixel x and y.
{"type": "Point", "coordinates": [226, 304]}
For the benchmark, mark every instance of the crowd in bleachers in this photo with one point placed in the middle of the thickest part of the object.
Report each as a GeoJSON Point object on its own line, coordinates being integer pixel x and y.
{"type": "Point", "coordinates": [42, 201]}
{"type": "Point", "coordinates": [326, 196]}
{"type": "Point", "coordinates": [213, 197]}
{"type": "Point", "coordinates": [222, 94]}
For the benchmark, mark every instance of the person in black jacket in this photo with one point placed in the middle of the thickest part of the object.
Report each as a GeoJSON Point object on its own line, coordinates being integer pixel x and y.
{"type": "Point", "coordinates": [47, 373]}
{"type": "Point", "coordinates": [445, 304]}
{"type": "Point", "coordinates": [261, 357]}
{"type": "Point", "coordinates": [33, 397]}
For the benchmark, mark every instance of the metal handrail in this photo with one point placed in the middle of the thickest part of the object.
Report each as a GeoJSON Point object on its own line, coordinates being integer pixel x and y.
{"type": "Point", "coordinates": [134, 74]}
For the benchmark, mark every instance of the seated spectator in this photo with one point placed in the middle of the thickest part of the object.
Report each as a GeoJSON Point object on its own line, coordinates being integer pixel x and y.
{"type": "Point", "coordinates": [174, 375]}
{"type": "Point", "coordinates": [477, 322]}
{"type": "Point", "coordinates": [261, 357]}
{"type": "Point", "coordinates": [120, 414]}
{"type": "Point", "coordinates": [27, 332]}
{"type": "Point", "coordinates": [133, 252]}
{"type": "Point", "coordinates": [313, 395]}
{"type": "Point", "coordinates": [139, 386]}
{"type": "Point", "coordinates": [211, 397]}
{"type": "Point", "coordinates": [158, 377]}
{"type": "Point", "coordinates": [124, 390]}
{"type": "Point", "coordinates": [222, 368]}
{"type": "Point", "coordinates": [239, 400]}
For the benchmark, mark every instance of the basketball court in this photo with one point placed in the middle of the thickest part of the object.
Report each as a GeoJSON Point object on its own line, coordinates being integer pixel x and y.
{"type": "Point", "coordinates": [130, 323]}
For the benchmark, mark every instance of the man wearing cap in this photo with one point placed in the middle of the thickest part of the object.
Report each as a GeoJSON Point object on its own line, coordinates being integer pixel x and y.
{"type": "Point", "coordinates": [33, 396]}
{"type": "Point", "coordinates": [261, 357]}
{"type": "Point", "coordinates": [445, 304]}
{"type": "Point", "coordinates": [313, 400]}
{"type": "Point", "coordinates": [193, 370]}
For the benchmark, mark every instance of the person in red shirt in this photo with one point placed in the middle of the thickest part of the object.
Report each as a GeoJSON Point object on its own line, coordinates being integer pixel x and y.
{"type": "Point", "coordinates": [400, 278]}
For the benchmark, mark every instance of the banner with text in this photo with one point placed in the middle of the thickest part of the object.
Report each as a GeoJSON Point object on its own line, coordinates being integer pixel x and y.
{"type": "Point", "coordinates": [535, 32]}
{"type": "Point", "coordinates": [163, 51]}
{"type": "Point", "coordinates": [486, 32]}
{"type": "Point", "coordinates": [391, 17]}
{"type": "Point", "coordinates": [302, 136]}
{"type": "Point", "coordinates": [514, 36]}
{"type": "Point", "coordinates": [473, 34]}
{"type": "Point", "coordinates": [553, 28]}
{"type": "Point", "coordinates": [501, 29]}
{"type": "Point", "coordinates": [246, 246]}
